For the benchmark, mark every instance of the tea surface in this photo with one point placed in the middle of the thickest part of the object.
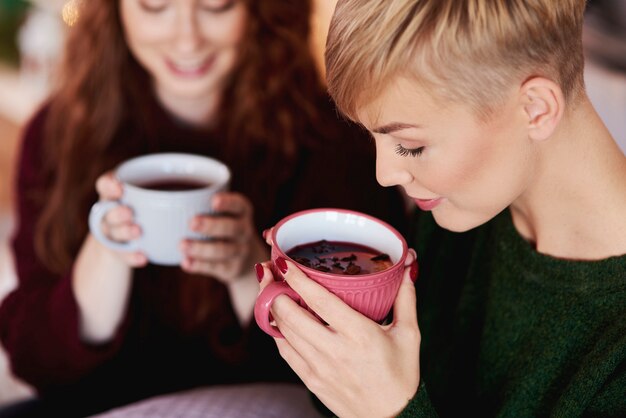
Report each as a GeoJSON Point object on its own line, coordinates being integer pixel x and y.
{"type": "Point", "coordinates": [340, 257]}
{"type": "Point", "coordinates": [173, 185]}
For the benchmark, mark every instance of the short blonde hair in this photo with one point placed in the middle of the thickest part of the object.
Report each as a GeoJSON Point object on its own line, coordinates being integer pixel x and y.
{"type": "Point", "coordinates": [465, 50]}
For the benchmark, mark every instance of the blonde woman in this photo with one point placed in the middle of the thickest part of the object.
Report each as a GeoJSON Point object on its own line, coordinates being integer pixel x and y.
{"type": "Point", "coordinates": [478, 110]}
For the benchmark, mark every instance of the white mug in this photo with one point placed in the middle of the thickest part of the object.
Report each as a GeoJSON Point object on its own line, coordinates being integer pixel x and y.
{"type": "Point", "coordinates": [164, 191]}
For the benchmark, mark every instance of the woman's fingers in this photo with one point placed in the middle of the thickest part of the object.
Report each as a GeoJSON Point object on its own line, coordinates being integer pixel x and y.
{"type": "Point", "coordinates": [231, 238]}
{"type": "Point", "coordinates": [267, 236]}
{"type": "Point", "coordinates": [118, 225]}
{"type": "Point", "coordinates": [264, 275]}
{"type": "Point", "coordinates": [135, 259]}
{"type": "Point", "coordinates": [232, 218]}
{"type": "Point", "coordinates": [234, 204]}
{"type": "Point", "coordinates": [118, 216]}
{"type": "Point", "coordinates": [293, 358]}
{"type": "Point", "coordinates": [219, 250]}
{"type": "Point", "coordinates": [405, 305]}
{"type": "Point", "coordinates": [296, 323]}
{"type": "Point", "coordinates": [223, 270]}
{"type": "Point", "coordinates": [109, 187]}
{"type": "Point", "coordinates": [299, 326]}
{"type": "Point", "coordinates": [220, 226]}
{"type": "Point", "coordinates": [325, 304]}
{"type": "Point", "coordinates": [121, 233]}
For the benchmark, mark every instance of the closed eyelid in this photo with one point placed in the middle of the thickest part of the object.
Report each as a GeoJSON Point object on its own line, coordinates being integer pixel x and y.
{"type": "Point", "coordinates": [405, 152]}
{"type": "Point", "coordinates": [209, 5]}
{"type": "Point", "coordinates": [153, 5]}
{"type": "Point", "coordinates": [218, 5]}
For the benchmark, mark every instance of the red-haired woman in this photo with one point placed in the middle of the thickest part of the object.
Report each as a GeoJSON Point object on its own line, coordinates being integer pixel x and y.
{"type": "Point", "coordinates": [233, 79]}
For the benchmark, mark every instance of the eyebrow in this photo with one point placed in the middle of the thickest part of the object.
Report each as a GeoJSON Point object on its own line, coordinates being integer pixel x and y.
{"type": "Point", "coordinates": [394, 126]}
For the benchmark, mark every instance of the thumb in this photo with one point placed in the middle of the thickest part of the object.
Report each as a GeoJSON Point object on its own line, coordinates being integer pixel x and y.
{"type": "Point", "coordinates": [405, 306]}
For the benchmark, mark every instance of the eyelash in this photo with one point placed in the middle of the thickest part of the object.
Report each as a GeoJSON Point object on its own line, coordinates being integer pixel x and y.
{"type": "Point", "coordinates": [226, 6]}
{"type": "Point", "coordinates": [415, 152]}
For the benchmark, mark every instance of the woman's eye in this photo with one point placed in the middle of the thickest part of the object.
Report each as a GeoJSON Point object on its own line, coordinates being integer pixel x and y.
{"type": "Point", "coordinates": [217, 6]}
{"type": "Point", "coordinates": [404, 152]}
{"type": "Point", "coordinates": [153, 6]}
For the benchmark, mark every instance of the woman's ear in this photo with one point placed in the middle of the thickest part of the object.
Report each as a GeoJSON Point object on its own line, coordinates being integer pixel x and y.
{"type": "Point", "coordinates": [544, 104]}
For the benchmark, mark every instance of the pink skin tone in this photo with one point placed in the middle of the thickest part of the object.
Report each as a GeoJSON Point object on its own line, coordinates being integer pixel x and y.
{"type": "Point", "coordinates": [466, 172]}
{"type": "Point", "coordinates": [189, 47]}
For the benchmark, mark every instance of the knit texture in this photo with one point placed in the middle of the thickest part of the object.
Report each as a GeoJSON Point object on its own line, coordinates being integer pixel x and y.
{"type": "Point", "coordinates": [509, 332]}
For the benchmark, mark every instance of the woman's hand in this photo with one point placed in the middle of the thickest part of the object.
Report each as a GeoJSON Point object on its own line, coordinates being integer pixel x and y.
{"type": "Point", "coordinates": [118, 224]}
{"type": "Point", "coordinates": [233, 245]}
{"type": "Point", "coordinates": [101, 278]}
{"type": "Point", "coordinates": [355, 366]}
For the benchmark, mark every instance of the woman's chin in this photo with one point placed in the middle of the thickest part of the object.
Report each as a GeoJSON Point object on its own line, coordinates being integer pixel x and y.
{"type": "Point", "coordinates": [458, 223]}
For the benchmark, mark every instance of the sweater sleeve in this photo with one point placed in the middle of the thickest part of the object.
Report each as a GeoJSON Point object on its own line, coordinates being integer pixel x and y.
{"type": "Point", "coordinates": [610, 400]}
{"type": "Point", "coordinates": [420, 406]}
{"type": "Point", "coordinates": [39, 320]}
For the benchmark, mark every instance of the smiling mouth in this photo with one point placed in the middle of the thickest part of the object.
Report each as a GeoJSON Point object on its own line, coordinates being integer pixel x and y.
{"type": "Point", "coordinates": [428, 204]}
{"type": "Point", "coordinates": [190, 68]}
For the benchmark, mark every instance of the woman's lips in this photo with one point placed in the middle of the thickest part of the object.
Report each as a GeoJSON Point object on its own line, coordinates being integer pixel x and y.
{"type": "Point", "coordinates": [190, 69]}
{"type": "Point", "coordinates": [427, 204]}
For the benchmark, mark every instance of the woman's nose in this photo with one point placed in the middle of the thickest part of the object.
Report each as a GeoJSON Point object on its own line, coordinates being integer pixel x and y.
{"type": "Point", "coordinates": [391, 170]}
{"type": "Point", "coordinates": [188, 35]}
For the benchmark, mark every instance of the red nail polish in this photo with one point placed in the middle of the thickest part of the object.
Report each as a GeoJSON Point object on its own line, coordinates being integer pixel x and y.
{"type": "Point", "coordinates": [413, 271]}
{"type": "Point", "coordinates": [281, 264]}
{"type": "Point", "coordinates": [259, 271]}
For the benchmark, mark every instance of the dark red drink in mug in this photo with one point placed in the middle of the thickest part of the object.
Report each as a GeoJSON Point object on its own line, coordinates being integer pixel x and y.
{"type": "Point", "coordinates": [371, 292]}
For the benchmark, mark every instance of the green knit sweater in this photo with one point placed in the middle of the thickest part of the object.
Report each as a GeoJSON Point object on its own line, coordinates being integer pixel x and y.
{"type": "Point", "coordinates": [509, 332]}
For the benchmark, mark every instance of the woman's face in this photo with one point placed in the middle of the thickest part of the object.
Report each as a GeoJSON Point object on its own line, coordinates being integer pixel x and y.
{"type": "Point", "coordinates": [189, 47]}
{"type": "Point", "coordinates": [448, 161]}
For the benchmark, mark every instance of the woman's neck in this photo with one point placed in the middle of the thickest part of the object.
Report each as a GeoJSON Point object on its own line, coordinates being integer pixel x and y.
{"type": "Point", "coordinates": [575, 207]}
{"type": "Point", "coordinates": [198, 112]}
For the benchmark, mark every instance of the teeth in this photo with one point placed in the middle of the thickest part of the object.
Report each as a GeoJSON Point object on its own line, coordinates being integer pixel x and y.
{"type": "Point", "coordinates": [189, 65]}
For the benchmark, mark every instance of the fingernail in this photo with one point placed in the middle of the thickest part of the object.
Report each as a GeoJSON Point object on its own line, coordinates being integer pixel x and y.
{"type": "Point", "coordinates": [195, 224]}
{"type": "Point", "coordinates": [281, 264]}
{"type": "Point", "coordinates": [139, 259]}
{"type": "Point", "coordinates": [259, 271]}
{"type": "Point", "coordinates": [186, 263]}
{"type": "Point", "coordinates": [265, 232]}
{"type": "Point", "coordinates": [215, 202]}
{"type": "Point", "coordinates": [413, 271]}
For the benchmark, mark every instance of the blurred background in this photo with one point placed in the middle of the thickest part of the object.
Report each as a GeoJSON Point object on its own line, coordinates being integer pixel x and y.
{"type": "Point", "coordinates": [32, 33]}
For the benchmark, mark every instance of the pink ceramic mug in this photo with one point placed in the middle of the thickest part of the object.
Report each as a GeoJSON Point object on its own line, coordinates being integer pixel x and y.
{"type": "Point", "coordinates": [371, 294]}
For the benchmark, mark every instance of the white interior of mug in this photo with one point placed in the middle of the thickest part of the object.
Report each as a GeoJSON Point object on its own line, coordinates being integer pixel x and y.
{"type": "Point", "coordinates": [174, 166]}
{"type": "Point", "coordinates": [339, 225]}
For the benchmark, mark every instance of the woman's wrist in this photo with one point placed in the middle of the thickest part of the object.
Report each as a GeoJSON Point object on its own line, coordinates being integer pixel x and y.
{"type": "Point", "coordinates": [101, 286]}
{"type": "Point", "coordinates": [243, 293]}
{"type": "Point", "coordinates": [245, 288]}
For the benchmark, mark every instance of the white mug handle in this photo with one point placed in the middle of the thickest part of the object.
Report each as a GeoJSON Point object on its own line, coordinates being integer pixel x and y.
{"type": "Point", "coordinates": [97, 213]}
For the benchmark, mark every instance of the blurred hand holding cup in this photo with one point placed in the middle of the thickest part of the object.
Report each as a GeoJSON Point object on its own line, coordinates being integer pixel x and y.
{"type": "Point", "coordinates": [164, 191]}
{"type": "Point", "coordinates": [372, 293]}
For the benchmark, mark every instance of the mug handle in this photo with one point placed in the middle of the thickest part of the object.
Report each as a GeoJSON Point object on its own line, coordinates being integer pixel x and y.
{"type": "Point", "coordinates": [97, 213]}
{"type": "Point", "coordinates": [265, 301]}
